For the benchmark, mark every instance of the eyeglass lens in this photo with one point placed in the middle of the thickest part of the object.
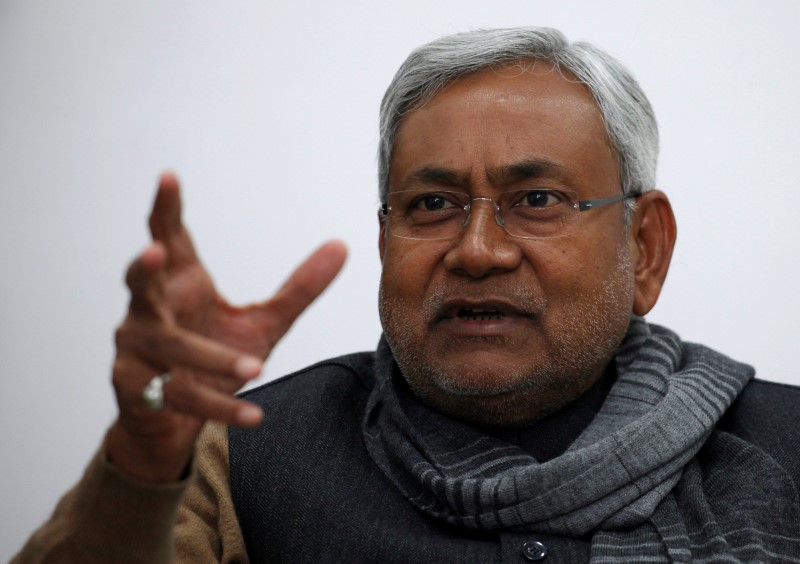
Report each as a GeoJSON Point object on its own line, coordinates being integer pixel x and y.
{"type": "Point", "coordinates": [534, 213]}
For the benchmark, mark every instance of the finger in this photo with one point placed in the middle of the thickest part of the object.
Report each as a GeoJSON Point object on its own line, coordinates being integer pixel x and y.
{"type": "Point", "coordinates": [131, 375]}
{"type": "Point", "coordinates": [166, 224]}
{"type": "Point", "coordinates": [182, 395]}
{"type": "Point", "coordinates": [189, 397]}
{"type": "Point", "coordinates": [144, 278]}
{"type": "Point", "coordinates": [168, 347]}
{"type": "Point", "coordinates": [190, 350]}
{"type": "Point", "coordinates": [165, 217]}
{"type": "Point", "coordinates": [306, 283]}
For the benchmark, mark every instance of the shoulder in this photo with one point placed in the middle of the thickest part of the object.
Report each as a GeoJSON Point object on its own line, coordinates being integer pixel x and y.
{"type": "Point", "coordinates": [764, 407]}
{"type": "Point", "coordinates": [358, 367]}
{"type": "Point", "coordinates": [767, 415]}
{"type": "Point", "coordinates": [352, 372]}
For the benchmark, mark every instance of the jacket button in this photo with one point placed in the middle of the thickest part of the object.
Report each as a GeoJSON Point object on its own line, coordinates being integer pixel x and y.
{"type": "Point", "coordinates": [534, 551]}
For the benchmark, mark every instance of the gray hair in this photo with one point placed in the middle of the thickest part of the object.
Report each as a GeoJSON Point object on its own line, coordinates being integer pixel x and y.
{"type": "Point", "coordinates": [628, 117]}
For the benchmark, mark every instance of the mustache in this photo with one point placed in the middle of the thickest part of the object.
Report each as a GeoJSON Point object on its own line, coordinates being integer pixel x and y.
{"type": "Point", "coordinates": [509, 298]}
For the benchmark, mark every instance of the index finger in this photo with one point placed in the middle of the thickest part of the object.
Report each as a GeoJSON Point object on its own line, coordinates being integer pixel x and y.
{"type": "Point", "coordinates": [306, 283]}
{"type": "Point", "coordinates": [166, 224]}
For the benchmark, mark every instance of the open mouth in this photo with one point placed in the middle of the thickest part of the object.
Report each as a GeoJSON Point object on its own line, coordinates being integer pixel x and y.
{"type": "Point", "coordinates": [479, 314]}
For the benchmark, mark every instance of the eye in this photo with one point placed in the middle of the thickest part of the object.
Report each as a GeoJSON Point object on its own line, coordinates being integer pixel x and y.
{"type": "Point", "coordinates": [432, 202]}
{"type": "Point", "coordinates": [539, 198]}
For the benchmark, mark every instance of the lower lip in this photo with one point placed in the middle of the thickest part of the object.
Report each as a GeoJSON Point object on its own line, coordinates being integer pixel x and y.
{"type": "Point", "coordinates": [464, 327]}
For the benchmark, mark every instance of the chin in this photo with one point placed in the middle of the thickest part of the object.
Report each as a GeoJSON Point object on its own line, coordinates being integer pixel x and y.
{"type": "Point", "coordinates": [508, 409]}
{"type": "Point", "coordinates": [489, 398]}
{"type": "Point", "coordinates": [483, 381]}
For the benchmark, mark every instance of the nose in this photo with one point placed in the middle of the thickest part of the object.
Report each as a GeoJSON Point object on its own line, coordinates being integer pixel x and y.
{"type": "Point", "coordinates": [483, 247]}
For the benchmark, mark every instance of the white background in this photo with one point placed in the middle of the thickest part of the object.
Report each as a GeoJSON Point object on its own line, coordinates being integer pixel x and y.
{"type": "Point", "coordinates": [268, 112]}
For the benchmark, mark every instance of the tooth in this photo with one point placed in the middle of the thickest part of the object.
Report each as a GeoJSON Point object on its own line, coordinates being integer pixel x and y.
{"type": "Point", "coordinates": [483, 316]}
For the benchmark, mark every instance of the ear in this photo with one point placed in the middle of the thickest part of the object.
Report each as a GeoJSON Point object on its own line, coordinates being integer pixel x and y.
{"type": "Point", "coordinates": [381, 235]}
{"type": "Point", "coordinates": [652, 237]}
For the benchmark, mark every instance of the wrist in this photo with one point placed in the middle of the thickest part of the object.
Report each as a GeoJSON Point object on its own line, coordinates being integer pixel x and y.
{"type": "Point", "coordinates": [150, 459]}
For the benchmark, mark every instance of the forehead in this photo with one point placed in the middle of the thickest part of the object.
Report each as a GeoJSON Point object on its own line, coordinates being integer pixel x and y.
{"type": "Point", "coordinates": [493, 119]}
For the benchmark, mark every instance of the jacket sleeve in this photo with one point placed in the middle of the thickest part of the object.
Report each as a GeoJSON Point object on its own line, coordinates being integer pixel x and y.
{"type": "Point", "coordinates": [108, 517]}
{"type": "Point", "coordinates": [207, 528]}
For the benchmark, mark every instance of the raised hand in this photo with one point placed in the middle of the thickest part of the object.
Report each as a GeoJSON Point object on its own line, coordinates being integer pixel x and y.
{"type": "Point", "coordinates": [178, 323]}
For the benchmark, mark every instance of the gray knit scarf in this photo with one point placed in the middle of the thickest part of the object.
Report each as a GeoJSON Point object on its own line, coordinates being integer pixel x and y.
{"type": "Point", "coordinates": [636, 479]}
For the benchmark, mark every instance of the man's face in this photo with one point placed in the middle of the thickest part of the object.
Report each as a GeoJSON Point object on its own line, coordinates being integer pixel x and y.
{"type": "Point", "coordinates": [487, 327]}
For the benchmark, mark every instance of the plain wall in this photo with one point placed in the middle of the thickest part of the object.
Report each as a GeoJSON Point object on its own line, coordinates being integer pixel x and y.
{"type": "Point", "coordinates": [268, 113]}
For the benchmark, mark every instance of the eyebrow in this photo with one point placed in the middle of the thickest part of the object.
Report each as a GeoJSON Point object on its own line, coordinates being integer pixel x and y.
{"type": "Point", "coordinates": [438, 176]}
{"type": "Point", "coordinates": [529, 169]}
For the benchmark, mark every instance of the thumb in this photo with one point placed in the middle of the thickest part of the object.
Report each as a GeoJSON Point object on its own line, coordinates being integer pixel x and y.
{"type": "Point", "coordinates": [305, 284]}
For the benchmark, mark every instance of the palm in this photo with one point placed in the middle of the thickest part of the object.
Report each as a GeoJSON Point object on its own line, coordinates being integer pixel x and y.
{"type": "Point", "coordinates": [198, 307]}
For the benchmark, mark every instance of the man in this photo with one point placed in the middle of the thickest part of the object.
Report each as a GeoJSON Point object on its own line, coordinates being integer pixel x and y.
{"type": "Point", "coordinates": [518, 407]}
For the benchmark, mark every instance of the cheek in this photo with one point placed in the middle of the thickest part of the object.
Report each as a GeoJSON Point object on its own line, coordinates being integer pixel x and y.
{"type": "Point", "coordinates": [559, 267]}
{"type": "Point", "coordinates": [575, 273]}
{"type": "Point", "coordinates": [405, 278]}
{"type": "Point", "coordinates": [409, 268]}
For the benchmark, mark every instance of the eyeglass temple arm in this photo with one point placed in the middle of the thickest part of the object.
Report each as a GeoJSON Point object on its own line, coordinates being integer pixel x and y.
{"type": "Point", "coordinates": [585, 205]}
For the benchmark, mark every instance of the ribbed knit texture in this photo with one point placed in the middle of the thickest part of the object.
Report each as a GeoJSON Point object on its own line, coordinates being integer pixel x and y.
{"type": "Point", "coordinates": [631, 479]}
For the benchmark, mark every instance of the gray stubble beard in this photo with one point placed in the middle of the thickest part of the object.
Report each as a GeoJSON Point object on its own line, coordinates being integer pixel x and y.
{"type": "Point", "coordinates": [522, 395]}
